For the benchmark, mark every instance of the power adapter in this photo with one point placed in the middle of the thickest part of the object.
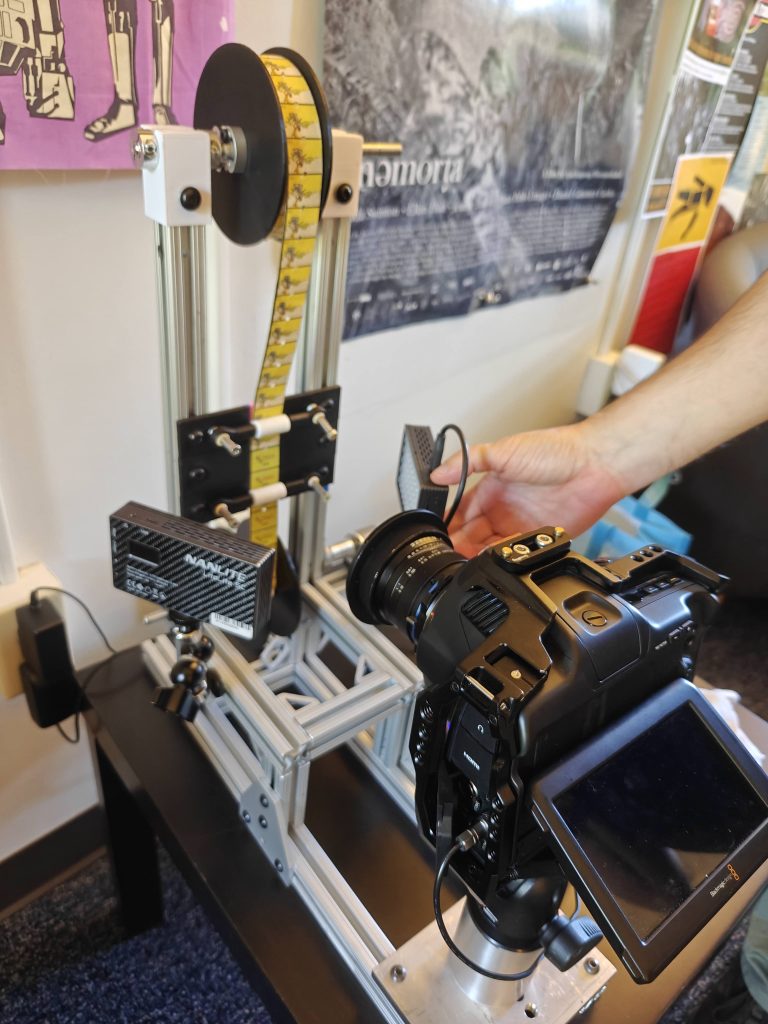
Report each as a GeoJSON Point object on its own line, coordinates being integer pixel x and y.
{"type": "Point", "coordinates": [47, 672]}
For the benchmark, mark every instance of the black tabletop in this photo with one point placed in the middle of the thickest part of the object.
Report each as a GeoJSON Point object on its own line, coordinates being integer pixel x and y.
{"type": "Point", "coordinates": [282, 949]}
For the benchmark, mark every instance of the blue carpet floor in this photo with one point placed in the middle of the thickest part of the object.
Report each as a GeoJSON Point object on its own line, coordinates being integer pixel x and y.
{"type": "Point", "coordinates": [64, 960]}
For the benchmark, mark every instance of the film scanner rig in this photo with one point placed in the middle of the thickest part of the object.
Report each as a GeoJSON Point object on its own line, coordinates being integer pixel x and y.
{"type": "Point", "coordinates": [542, 685]}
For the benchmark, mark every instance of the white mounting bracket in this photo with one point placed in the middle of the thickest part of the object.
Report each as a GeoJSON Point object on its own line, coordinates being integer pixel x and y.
{"type": "Point", "coordinates": [346, 173]}
{"type": "Point", "coordinates": [176, 172]}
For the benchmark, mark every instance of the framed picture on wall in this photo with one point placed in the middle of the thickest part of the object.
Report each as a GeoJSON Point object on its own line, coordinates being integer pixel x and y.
{"type": "Point", "coordinates": [77, 76]}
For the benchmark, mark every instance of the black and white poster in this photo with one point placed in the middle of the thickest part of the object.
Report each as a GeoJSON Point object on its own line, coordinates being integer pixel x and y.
{"type": "Point", "coordinates": [518, 122]}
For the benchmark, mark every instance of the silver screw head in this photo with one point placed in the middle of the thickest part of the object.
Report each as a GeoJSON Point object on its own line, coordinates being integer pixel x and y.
{"type": "Point", "coordinates": [144, 149]}
{"type": "Point", "coordinates": [591, 965]}
{"type": "Point", "coordinates": [521, 549]}
{"type": "Point", "coordinates": [246, 817]}
{"type": "Point", "coordinates": [543, 539]}
{"type": "Point", "coordinates": [398, 973]}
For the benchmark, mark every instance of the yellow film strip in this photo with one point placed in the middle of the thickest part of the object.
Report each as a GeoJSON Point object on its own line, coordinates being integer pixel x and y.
{"type": "Point", "coordinates": [296, 229]}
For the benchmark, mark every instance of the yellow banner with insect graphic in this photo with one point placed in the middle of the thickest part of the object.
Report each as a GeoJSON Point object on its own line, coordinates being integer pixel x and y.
{"type": "Point", "coordinates": [692, 206]}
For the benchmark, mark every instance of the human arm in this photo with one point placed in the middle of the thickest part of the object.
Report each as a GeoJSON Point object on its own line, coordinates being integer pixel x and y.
{"type": "Point", "coordinates": [570, 475]}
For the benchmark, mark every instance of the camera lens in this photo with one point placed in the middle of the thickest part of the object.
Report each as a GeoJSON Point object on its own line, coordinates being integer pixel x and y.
{"type": "Point", "coordinates": [400, 569]}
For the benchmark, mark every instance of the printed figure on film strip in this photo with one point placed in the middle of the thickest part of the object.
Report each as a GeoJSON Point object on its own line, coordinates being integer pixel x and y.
{"type": "Point", "coordinates": [32, 42]}
{"type": "Point", "coordinates": [122, 17]}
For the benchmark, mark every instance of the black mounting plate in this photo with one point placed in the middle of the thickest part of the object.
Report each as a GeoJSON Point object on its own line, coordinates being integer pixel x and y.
{"type": "Point", "coordinates": [209, 474]}
{"type": "Point", "coordinates": [304, 450]}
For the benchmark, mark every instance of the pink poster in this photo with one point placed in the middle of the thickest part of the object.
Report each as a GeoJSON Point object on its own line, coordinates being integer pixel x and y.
{"type": "Point", "coordinates": [77, 76]}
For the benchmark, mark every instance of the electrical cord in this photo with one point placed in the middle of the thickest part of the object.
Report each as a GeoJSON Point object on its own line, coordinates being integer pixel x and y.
{"type": "Point", "coordinates": [437, 458]}
{"type": "Point", "coordinates": [75, 738]}
{"type": "Point", "coordinates": [521, 975]}
{"type": "Point", "coordinates": [34, 600]}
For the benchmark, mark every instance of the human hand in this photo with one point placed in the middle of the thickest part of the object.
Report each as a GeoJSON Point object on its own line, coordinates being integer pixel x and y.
{"type": "Point", "coordinates": [555, 477]}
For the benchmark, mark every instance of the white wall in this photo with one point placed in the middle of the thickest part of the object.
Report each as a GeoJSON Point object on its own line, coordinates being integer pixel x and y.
{"type": "Point", "coordinates": [80, 415]}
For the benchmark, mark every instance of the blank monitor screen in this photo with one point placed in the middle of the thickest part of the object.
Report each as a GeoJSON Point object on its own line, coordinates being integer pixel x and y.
{"type": "Point", "coordinates": [660, 816]}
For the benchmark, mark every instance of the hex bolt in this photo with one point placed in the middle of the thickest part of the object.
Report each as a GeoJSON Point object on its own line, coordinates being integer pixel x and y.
{"type": "Point", "coordinates": [247, 817]}
{"type": "Point", "coordinates": [190, 198]}
{"type": "Point", "coordinates": [144, 149]}
{"type": "Point", "coordinates": [591, 965]}
{"type": "Point", "coordinates": [263, 801]}
{"type": "Point", "coordinates": [263, 821]}
{"type": "Point", "coordinates": [398, 973]}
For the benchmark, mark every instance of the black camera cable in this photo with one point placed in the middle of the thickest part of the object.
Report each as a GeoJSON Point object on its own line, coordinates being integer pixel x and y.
{"type": "Point", "coordinates": [465, 841]}
{"type": "Point", "coordinates": [437, 458]}
{"type": "Point", "coordinates": [34, 600]}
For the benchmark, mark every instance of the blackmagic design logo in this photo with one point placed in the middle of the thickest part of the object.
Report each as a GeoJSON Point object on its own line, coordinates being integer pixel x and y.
{"type": "Point", "coordinates": [732, 876]}
{"type": "Point", "coordinates": [215, 572]}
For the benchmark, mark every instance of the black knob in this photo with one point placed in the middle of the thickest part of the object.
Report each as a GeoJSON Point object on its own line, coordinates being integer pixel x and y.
{"type": "Point", "coordinates": [176, 700]}
{"type": "Point", "coordinates": [204, 648]}
{"type": "Point", "coordinates": [190, 673]}
{"type": "Point", "coordinates": [190, 198]}
{"type": "Point", "coordinates": [344, 193]}
{"type": "Point", "coordinates": [214, 683]}
{"type": "Point", "coordinates": [566, 941]}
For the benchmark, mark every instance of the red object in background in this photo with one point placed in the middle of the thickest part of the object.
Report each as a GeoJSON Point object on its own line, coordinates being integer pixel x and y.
{"type": "Point", "coordinates": [664, 298]}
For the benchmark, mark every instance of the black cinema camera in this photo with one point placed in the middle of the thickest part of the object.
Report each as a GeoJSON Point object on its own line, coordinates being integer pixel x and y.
{"type": "Point", "coordinates": [559, 724]}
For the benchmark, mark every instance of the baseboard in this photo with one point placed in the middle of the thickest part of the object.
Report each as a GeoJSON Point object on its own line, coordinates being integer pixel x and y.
{"type": "Point", "coordinates": [36, 866]}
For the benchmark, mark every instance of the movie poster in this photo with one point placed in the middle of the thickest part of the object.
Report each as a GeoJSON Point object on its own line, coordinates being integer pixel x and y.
{"type": "Point", "coordinates": [518, 123]}
{"type": "Point", "coordinates": [78, 76]}
{"type": "Point", "coordinates": [720, 73]}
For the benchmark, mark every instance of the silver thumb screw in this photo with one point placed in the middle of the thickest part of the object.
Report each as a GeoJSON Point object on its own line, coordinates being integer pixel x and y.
{"type": "Point", "coordinates": [321, 420]}
{"type": "Point", "coordinates": [223, 440]}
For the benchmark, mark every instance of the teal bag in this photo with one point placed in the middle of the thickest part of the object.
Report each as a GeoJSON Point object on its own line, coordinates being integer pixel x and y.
{"type": "Point", "coordinates": [631, 524]}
